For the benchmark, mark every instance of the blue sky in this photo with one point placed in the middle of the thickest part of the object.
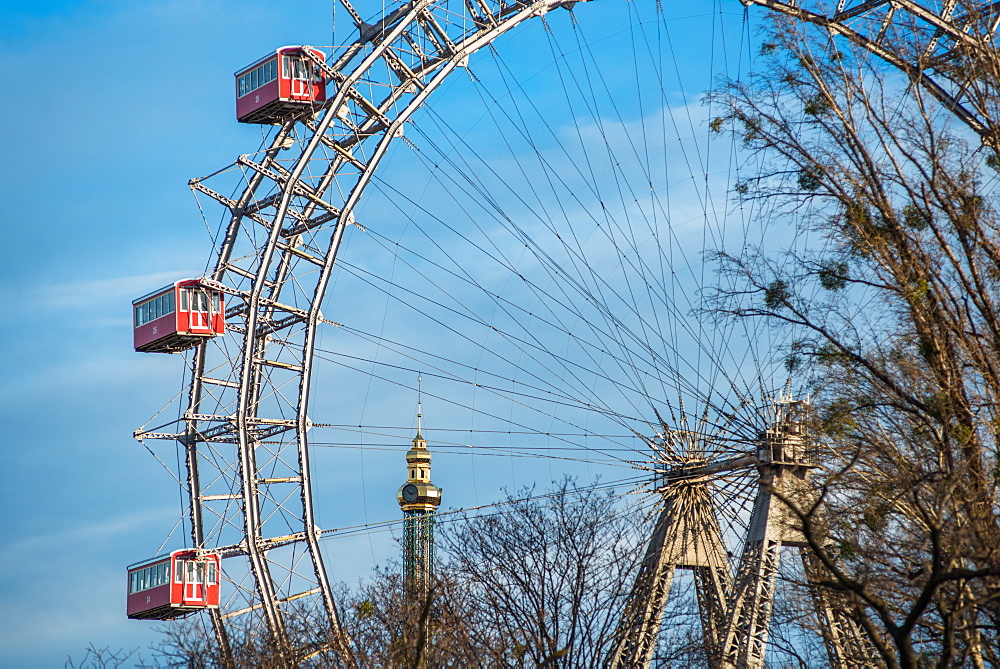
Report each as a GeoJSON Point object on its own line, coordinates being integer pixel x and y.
{"type": "Point", "coordinates": [110, 107]}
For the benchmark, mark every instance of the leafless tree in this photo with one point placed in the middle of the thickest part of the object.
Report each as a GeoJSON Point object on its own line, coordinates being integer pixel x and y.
{"type": "Point", "coordinates": [548, 575]}
{"type": "Point", "coordinates": [890, 284]}
{"type": "Point", "coordinates": [190, 643]}
{"type": "Point", "coordinates": [393, 626]}
{"type": "Point", "coordinates": [105, 658]}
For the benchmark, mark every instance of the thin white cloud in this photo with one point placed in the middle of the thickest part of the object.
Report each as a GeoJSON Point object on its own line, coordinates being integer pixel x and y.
{"type": "Point", "coordinates": [88, 294]}
{"type": "Point", "coordinates": [11, 554]}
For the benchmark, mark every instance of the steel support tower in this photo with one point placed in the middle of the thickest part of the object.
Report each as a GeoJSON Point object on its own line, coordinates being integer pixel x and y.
{"type": "Point", "coordinates": [686, 536]}
{"type": "Point", "coordinates": [736, 612]}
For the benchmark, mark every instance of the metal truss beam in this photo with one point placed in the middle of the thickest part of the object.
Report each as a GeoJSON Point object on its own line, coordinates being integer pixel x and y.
{"type": "Point", "coordinates": [847, 646]}
{"type": "Point", "coordinates": [930, 38]}
{"type": "Point", "coordinates": [686, 536]}
{"type": "Point", "coordinates": [784, 463]}
{"type": "Point", "coordinates": [289, 220]}
{"type": "Point", "coordinates": [785, 459]}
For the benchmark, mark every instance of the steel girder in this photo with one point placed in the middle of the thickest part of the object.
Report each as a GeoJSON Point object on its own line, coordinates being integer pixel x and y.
{"type": "Point", "coordinates": [845, 641]}
{"type": "Point", "coordinates": [246, 444]}
{"type": "Point", "coordinates": [686, 536]}
{"type": "Point", "coordinates": [245, 429]}
{"type": "Point", "coordinates": [935, 43]}
{"type": "Point", "coordinates": [785, 459]}
{"type": "Point", "coordinates": [736, 613]}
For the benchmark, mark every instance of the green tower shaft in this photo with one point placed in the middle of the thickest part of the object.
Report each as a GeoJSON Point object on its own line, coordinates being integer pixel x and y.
{"type": "Point", "coordinates": [418, 547]}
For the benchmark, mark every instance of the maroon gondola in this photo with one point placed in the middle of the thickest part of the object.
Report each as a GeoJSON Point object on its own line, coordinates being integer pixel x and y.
{"type": "Point", "coordinates": [173, 585]}
{"type": "Point", "coordinates": [179, 316]}
{"type": "Point", "coordinates": [283, 83]}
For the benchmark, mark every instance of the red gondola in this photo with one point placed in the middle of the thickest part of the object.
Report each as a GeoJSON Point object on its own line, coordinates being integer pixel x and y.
{"type": "Point", "coordinates": [279, 85]}
{"type": "Point", "coordinates": [170, 586]}
{"type": "Point", "coordinates": [178, 316]}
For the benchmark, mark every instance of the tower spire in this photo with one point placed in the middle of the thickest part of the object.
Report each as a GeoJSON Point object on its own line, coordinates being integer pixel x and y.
{"type": "Point", "coordinates": [419, 416]}
{"type": "Point", "coordinates": [418, 498]}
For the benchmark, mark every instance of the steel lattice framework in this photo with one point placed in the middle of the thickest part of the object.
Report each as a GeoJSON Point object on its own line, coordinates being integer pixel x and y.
{"type": "Point", "coordinates": [418, 548]}
{"type": "Point", "coordinates": [941, 45]}
{"type": "Point", "coordinates": [248, 456]}
{"type": "Point", "coordinates": [736, 611]}
{"type": "Point", "coordinates": [245, 430]}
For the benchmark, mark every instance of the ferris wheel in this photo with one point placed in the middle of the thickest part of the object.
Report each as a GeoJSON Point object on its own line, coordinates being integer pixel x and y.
{"type": "Point", "coordinates": [544, 270]}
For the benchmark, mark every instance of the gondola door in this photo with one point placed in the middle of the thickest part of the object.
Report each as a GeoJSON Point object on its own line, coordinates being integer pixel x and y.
{"type": "Point", "coordinates": [194, 582]}
{"type": "Point", "coordinates": [301, 70]}
{"type": "Point", "coordinates": [199, 316]}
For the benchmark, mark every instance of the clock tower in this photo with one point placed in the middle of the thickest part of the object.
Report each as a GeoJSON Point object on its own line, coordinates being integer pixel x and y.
{"type": "Point", "coordinates": [418, 498]}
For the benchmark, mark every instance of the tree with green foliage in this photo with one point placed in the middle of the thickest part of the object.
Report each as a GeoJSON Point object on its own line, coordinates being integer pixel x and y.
{"type": "Point", "coordinates": [890, 285]}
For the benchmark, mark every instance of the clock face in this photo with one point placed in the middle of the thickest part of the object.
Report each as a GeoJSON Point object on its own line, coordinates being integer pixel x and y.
{"type": "Point", "coordinates": [409, 492]}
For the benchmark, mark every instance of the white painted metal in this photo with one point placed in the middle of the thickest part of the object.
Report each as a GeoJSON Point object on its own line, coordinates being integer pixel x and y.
{"type": "Point", "coordinates": [244, 441]}
{"type": "Point", "coordinates": [286, 224]}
